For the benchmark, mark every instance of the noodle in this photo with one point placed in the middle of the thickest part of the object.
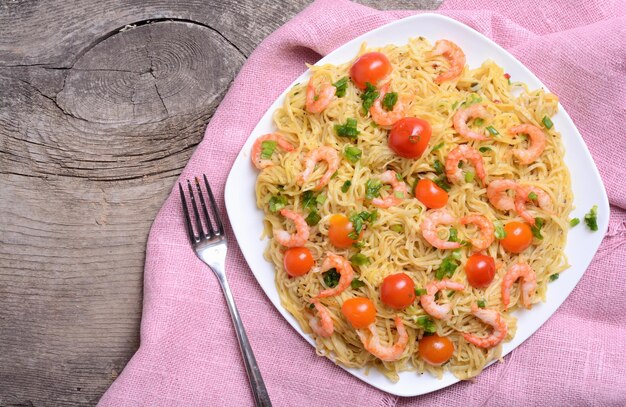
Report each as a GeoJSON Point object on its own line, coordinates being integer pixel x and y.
{"type": "Point", "coordinates": [393, 243]}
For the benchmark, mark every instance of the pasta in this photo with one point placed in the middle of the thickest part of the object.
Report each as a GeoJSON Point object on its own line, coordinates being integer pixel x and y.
{"type": "Point", "coordinates": [353, 171]}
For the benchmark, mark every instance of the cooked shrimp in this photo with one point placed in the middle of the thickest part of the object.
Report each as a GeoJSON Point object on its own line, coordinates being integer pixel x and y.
{"type": "Point", "coordinates": [322, 325]}
{"type": "Point", "coordinates": [324, 153]}
{"type": "Point", "coordinates": [429, 229]}
{"type": "Point", "coordinates": [489, 317]}
{"type": "Point", "coordinates": [258, 147]}
{"type": "Point", "coordinates": [302, 230]}
{"type": "Point", "coordinates": [386, 353]}
{"type": "Point", "coordinates": [439, 311]}
{"type": "Point", "coordinates": [343, 267]}
{"type": "Point", "coordinates": [465, 153]}
{"type": "Point", "coordinates": [537, 140]}
{"type": "Point", "coordinates": [521, 197]}
{"type": "Point", "coordinates": [463, 115]}
{"type": "Point", "coordinates": [486, 230]}
{"type": "Point", "coordinates": [454, 54]}
{"type": "Point", "coordinates": [317, 102]}
{"type": "Point", "coordinates": [384, 117]}
{"type": "Point", "coordinates": [399, 190]}
{"type": "Point", "coordinates": [496, 192]}
{"type": "Point", "coordinates": [529, 283]}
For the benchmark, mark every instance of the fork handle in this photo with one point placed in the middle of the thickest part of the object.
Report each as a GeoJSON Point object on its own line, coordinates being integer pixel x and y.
{"type": "Point", "coordinates": [261, 397]}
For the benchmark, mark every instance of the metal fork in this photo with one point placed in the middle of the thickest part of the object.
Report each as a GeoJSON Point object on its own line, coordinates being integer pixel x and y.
{"type": "Point", "coordinates": [210, 247]}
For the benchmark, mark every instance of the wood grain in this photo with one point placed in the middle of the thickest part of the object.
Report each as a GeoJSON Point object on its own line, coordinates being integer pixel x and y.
{"type": "Point", "coordinates": [101, 105]}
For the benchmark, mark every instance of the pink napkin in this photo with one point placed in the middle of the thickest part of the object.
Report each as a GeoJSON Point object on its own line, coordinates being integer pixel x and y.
{"type": "Point", "coordinates": [189, 355]}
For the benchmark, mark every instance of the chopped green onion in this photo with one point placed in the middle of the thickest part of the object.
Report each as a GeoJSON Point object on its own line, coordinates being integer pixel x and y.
{"type": "Point", "coordinates": [573, 222]}
{"type": "Point", "coordinates": [311, 306]}
{"type": "Point", "coordinates": [398, 176]}
{"type": "Point", "coordinates": [492, 130]}
{"type": "Point", "coordinates": [359, 259]}
{"type": "Point", "coordinates": [372, 188]}
{"type": "Point", "coordinates": [469, 176]}
{"type": "Point", "coordinates": [547, 122]}
{"type": "Point", "coordinates": [451, 293]}
{"type": "Point", "coordinates": [331, 278]}
{"type": "Point", "coordinates": [532, 196]}
{"type": "Point", "coordinates": [356, 283]}
{"type": "Point", "coordinates": [499, 231]}
{"type": "Point", "coordinates": [397, 228]}
{"type": "Point", "coordinates": [308, 200]}
{"type": "Point", "coordinates": [456, 254]}
{"type": "Point", "coordinates": [484, 149]}
{"type": "Point", "coordinates": [369, 95]}
{"type": "Point", "coordinates": [277, 203]}
{"type": "Point", "coordinates": [481, 304]}
{"type": "Point", "coordinates": [267, 149]}
{"type": "Point", "coordinates": [348, 129]}
{"type": "Point", "coordinates": [442, 183]}
{"type": "Point", "coordinates": [353, 154]}
{"type": "Point", "coordinates": [536, 229]}
{"type": "Point", "coordinates": [321, 198]}
{"type": "Point", "coordinates": [346, 185]}
{"type": "Point", "coordinates": [427, 324]}
{"type": "Point", "coordinates": [454, 235]}
{"type": "Point", "coordinates": [390, 100]}
{"type": "Point", "coordinates": [358, 245]}
{"type": "Point", "coordinates": [313, 218]}
{"type": "Point", "coordinates": [554, 276]}
{"type": "Point", "coordinates": [437, 147]}
{"type": "Point", "coordinates": [478, 122]}
{"type": "Point", "coordinates": [399, 194]}
{"type": "Point", "coordinates": [591, 218]}
{"type": "Point", "coordinates": [359, 219]}
{"type": "Point", "coordinates": [447, 267]}
{"type": "Point", "coordinates": [341, 85]}
{"type": "Point", "coordinates": [438, 167]}
{"type": "Point", "coordinates": [420, 291]}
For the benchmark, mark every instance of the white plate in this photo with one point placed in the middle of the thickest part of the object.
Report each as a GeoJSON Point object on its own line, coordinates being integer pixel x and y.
{"type": "Point", "coordinates": [247, 219]}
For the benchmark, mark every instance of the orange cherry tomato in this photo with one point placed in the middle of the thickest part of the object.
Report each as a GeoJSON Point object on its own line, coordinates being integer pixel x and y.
{"type": "Point", "coordinates": [339, 230]}
{"type": "Point", "coordinates": [359, 311]}
{"type": "Point", "coordinates": [397, 291]}
{"type": "Point", "coordinates": [409, 137]}
{"type": "Point", "coordinates": [298, 261]}
{"type": "Point", "coordinates": [370, 67]}
{"type": "Point", "coordinates": [518, 237]}
{"type": "Point", "coordinates": [435, 350]}
{"type": "Point", "coordinates": [430, 194]}
{"type": "Point", "coordinates": [480, 270]}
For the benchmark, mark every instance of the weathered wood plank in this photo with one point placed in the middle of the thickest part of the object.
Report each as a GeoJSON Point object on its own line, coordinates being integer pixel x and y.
{"type": "Point", "coordinates": [95, 125]}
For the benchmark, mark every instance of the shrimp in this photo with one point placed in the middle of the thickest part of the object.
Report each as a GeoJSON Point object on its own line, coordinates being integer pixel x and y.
{"type": "Point", "coordinates": [486, 230]}
{"type": "Point", "coordinates": [322, 325]}
{"type": "Point", "coordinates": [324, 153]}
{"type": "Point", "coordinates": [537, 141]}
{"type": "Point", "coordinates": [257, 148]}
{"type": "Point", "coordinates": [439, 311]}
{"type": "Point", "coordinates": [317, 102]}
{"type": "Point", "coordinates": [343, 267]}
{"type": "Point", "coordinates": [496, 192]}
{"type": "Point", "coordinates": [429, 229]}
{"type": "Point", "coordinates": [399, 190]}
{"type": "Point", "coordinates": [302, 230]}
{"type": "Point", "coordinates": [385, 353]}
{"type": "Point", "coordinates": [489, 317]}
{"type": "Point", "coordinates": [465, 153]}
{"type": "Point", "coordinates": [463, 115]}
{"type": "Point", "coordinates": [521, 197]}
{"type": "Point", "coordinates": [384, 117]}
{"type": "Point", "coordinates": [454, 54]}
{"type": "Point", "coordinates": [529, 283]}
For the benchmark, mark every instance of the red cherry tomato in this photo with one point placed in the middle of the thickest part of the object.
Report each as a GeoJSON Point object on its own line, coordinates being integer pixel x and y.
{"type": "Point", "coordinates": [339, 230]}
{"type": "Point", "coordinates": [430, 194]}
{"type": "Point", "coordinates": [409, 137]}
{"type": "Point", "coordinates": [480, 270]}
{"type": "Point", "coordinates": [359, 311]}
{"type": "Point", "coordinates": [435, 350]}
{"type": "Point", "coordinates": [370, 67]}
{"type": "Point", "coordinates": [298, 261]}
{"type": "Point", "coordinates": [397, 291]}
{"type": "Point", "coordinates": [518, 237]}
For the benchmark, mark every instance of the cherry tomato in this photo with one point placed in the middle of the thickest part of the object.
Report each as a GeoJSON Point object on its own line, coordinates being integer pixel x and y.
{"type": "Point", "coordinates": [518, 237]}
{"type": "Point", "coordinates": [409, 137]}
{"type": "Point", "coordinates": [430, 194]}
{"type": "Point", "coordinates": [480, 270]}
{"type": "Point", "coordinates": [397, 291]}
{"type": "Point", "coordinates": [298, 261]}
{"type": "Point", "coordinates": [435, 350]}
{"type": "Point", "coordinates": [339, 230]}
{"type": "Point", "coordinates": [361, 312]}
{"type": "Point", "coordinates": [370, 67]}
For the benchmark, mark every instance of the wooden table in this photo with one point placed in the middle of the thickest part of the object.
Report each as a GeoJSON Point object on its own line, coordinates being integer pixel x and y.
{"type": "Point", "coordinates": [101, 106]}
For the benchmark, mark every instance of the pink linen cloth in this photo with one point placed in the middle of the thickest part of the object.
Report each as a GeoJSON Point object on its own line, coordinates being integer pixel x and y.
{"type": "Point", "coordinates": [189, 355]}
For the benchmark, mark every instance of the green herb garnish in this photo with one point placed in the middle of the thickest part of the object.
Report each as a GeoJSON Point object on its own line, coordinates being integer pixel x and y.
{"type": "Point", "coordinates": [591, 218]}
{"type": "Point", "coordinates": [372, 188]}
{"type": "Point", "coordinates": [277, 203]}
{"type": "Point", "coordinates": [484, 149]}
{"type": "Point", "coordinates": [469, 176]}
{"type": "Point", "coordinates": [359, 259]}
{"type": "Point", "coordinates": [369, 95]}
{"type": "Point", "coordinates": [397, 228]}
{"type": "Point", "coordinates": [356, 283]}
{"type": "Point", "coordinates": [532, 196]}
{"type": "Point", "coordinates": [478, 122]}
{"type": "Point", "coordinates": [437, 147]}
{"type": "Point", "coordinates": [499, 231]}
{"type": "Point", "coordinates": [313, 218]}
{"type": "Point", "coordinates": [346, 185]}
{"type": "Point", "coordinates": [420, 291]}
{"type": "Point", "coordinates": [390, 100]}
{"type": "Point", "coordinates": [481, 304]}
{"type": "Point", "coordinates": [554, 277]}
{"type": "Point", "coordinates": [447, 267]}
{"type": "Point", "coordinates": [443, 183]}
{"type": "Point", "coordinates": [348, 129]}
{"type": "Point", "coordinates": [547, 122]}
{"type": "Point", "coordinates": [573, 222]}
{"type": "Point", "coordinates": [331, 278]}
{"type": "Point", "coordinates": [438, 167]}
{"type": "Point", "coordinates": [353, 154]}
{"type": "Point", "coordinates": [267, 149]}
{"type": "Point", "coordinates": [454, 235]}
{"type": "Point", "coordinates": [342, 86]}
{"type": "Point", "coordinates": [492, 130]}
{"type": "Point", "coordinates": [427, 324]}
{"type": "Point", "coordinates": [536, 229]}
{"type": "Point", "coordinates": [309, 200]}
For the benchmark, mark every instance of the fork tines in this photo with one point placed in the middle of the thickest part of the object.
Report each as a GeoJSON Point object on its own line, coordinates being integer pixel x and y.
{"type": "Point", "coordinates": [210, 230]}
